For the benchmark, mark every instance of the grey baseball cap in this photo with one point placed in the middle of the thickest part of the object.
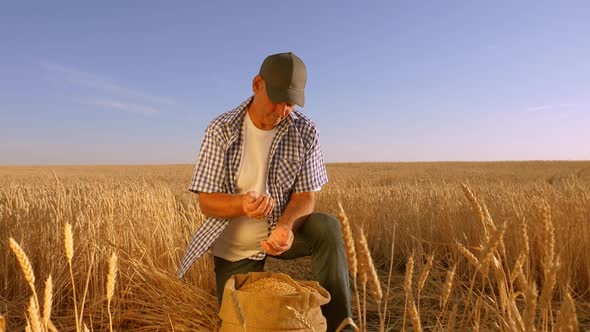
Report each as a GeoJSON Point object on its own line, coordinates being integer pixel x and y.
{"type": "Point", "coordinates": [285, 76]}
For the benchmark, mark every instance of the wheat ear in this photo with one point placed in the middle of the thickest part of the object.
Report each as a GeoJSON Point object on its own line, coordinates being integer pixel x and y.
{"type": "Point", "coordinates": [549, 238]}
{"type": "Point", "coordinates": [476, 207]}
{"type": "Point", "coordinates": [349, 247]}
{"type": "Point", "coordinates": [567, 318]}
{"type": "Point", "coordinates": [25, 264]}
{"type": "Point", "coordinates": [423, 277]}
{"type": "Point", "coordinates": [69, 246]}
{"type": "Point", "coordinates": [408, 286]}
{"type": "Point", "coordinates": [490, 246]}
{"type": "Point", "coordinates": [549, 286]}
{"type": "Point", "coordinates": [448, 287]}
{"type": "Point", "coordinates": [47, 299]}
{"type": "Point", "coordinates": [369, 267]}
{"type": "Point", "coordinates": [362, 274]}
{"type": "Point", "coordinates": [530, 295]}
{"type": "Point", "coordinates": [468, 254]}
{"type": "Point", "coordinates": [348, 242]}
{"type": "Point", "coordinates": [111, 279]}
{"type": "Point", "coordinates": [411, 304]}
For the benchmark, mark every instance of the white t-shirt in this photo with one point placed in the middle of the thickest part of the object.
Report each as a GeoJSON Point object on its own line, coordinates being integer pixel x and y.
{"type": "Point", "coordinates": [240, 239]}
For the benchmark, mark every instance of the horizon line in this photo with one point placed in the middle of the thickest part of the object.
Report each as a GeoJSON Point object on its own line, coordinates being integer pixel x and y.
{"type": "Point", "coordinates": [326, 163]}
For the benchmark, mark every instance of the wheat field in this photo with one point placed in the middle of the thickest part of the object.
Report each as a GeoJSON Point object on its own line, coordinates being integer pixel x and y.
{"type": "Point", "coordinates": [499, 246]}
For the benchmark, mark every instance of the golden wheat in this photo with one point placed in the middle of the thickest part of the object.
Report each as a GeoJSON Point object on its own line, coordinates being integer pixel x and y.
{"type": "Point", "coordinates": [24, 262]}
{"type": "Point", "coordinates": [111, 279]}
{"type": "Point", "coordinates": [367, 266]}
{"type": "Point", "coordinates": [269, 286]}
{"type": "Point", "coordinates": [447, 287]}
{"type": "Point", "coordinates": [34, 317]}
{"type": "Point", "coordinates": [348, 242]}
{"type": "Point", "coordinates": [351, 255]}
{"type": "Point", "coordinates": [47, 300]}
{"type": "Point", "coordinates": [468, 254]}
{"type": "Point", "coordinates": [146, 214]}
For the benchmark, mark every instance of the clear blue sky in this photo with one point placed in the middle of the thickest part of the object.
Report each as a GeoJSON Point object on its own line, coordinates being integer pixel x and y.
{"type": "Point", "coordinates": [137, 81]}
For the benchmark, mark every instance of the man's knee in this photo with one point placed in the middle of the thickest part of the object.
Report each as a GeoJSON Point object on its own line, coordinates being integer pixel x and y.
{"type": "Point", "coordinates": [324, 226]}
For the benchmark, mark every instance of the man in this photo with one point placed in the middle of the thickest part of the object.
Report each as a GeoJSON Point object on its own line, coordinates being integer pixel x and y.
{"type": "Point", "coordinates": [257, 173]}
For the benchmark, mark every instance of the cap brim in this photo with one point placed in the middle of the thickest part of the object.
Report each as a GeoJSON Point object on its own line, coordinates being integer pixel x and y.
{"type": "Point", "coordinates": [278, 95]}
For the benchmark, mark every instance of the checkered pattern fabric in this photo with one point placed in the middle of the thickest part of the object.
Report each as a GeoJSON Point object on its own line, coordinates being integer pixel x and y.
{"type": "Point", "coordinates": [295, 165]}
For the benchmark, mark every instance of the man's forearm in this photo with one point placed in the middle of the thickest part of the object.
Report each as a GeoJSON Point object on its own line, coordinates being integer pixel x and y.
{"type": "Point", "coordinates": [300, 204]}
{"type": "Point", "coordinates": [220, 205]}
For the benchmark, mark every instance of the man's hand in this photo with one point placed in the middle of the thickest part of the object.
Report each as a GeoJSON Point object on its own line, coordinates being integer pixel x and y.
{"type": "Point", "coordinates": [258, 207]}
{"type": "Point", "coordinates": [279, 241]}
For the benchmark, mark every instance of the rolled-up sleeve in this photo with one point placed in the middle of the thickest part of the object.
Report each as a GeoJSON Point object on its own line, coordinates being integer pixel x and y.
{"type": "Point", "coordinates": [313, 171]}
{"type": "Point", "coordinates": [209, 169]}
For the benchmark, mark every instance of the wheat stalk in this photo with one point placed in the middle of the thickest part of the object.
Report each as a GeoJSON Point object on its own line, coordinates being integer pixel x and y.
{"type": "Point", "coordinates": [414, 316]}
{"type": "Point", "coordinates": [34, 317]}
{"type": "Point", "coordinates": [26, 267]}
{"type": "Point", "coordinates": [51, 327]}
{"type": "Point", "coordinates": [452, 317]}
{"type": "Point", "coordinates": [408, 275]}
{"type": "Point", "coordinates": [549, 235]}
{"type": "Point", "coordinates": [24, 263]}
{"type": "Point", "coordinates": [488, 218]}
{"type": "Point", "coordinates": [69, 246]}
{"type": "Point", "coordinates": [424, 274]}
{"type": "Point", "coordinates": [47, 299]}
{"type": "Point", "coordinates": [362, 273]}
{"type": "Point", "coordinates": [476, 207]}
{"type": "Point", "coordinates": [408, 286]}
{"type": "Point", "coordinates": [530, 293]}
{"type": "Point", "coordinates": [301, 318]}
{"type": "Point", "coordinates": [351, 255]}
{"type": "Point", "coordinates": [549, 285]}
{"type": "Point", "coordinates": [490, 246]}
{"type": "Point", "coordinates": [28, 327]}
{"type": "Point", "coordinates": [448, 286]}
{"type": "Point", "coordinates": [567, 317]}
{"type": "Point", "coordinates": [348, 242]}
{"type": "Point", "coordinates": [111, 279]}
{"type": "Point", "coordinates": [69, 242]}
{"type": "Point", "coordinates": [525, 236]}
{"type": "Point", "coordinates": [514, 274]}
{"type": "Point", "coordinates": [368, 267]}
{"type": "Point", "coordinates": [468, 254]}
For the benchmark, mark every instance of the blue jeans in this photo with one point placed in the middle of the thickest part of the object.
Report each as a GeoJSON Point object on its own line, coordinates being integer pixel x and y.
{"type": "Point", "coordinates": [320, 237]}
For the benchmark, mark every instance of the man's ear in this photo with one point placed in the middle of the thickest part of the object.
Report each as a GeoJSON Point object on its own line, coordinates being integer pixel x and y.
{"type": "Point", "coordinates": [257, 83]}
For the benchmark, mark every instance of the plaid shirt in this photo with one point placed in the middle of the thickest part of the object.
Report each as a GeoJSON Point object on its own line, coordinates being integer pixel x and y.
{"type": "Point", "coordinates": [295, 165]}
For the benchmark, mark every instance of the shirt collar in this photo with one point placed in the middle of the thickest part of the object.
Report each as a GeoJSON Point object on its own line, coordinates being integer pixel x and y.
{"type": "Point", "coordinates": [236, 118]}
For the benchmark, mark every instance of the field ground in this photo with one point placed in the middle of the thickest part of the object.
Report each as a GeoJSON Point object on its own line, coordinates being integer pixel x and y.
{"type": "Point", "coordinates": [526, 224]}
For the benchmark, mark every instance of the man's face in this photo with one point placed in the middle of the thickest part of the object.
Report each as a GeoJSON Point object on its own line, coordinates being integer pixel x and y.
{"type": "Point", "coordinates": [268, 114]}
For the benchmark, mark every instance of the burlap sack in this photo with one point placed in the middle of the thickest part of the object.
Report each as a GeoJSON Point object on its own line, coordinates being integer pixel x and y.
{"type": "Point", "coordinates": [266, 312]}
